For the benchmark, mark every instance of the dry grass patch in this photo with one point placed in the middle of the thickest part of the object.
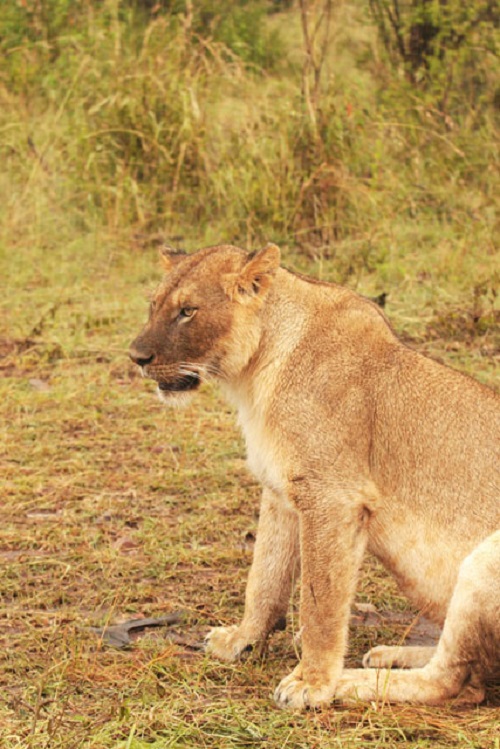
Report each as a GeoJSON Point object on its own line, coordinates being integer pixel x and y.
{"type": "Point", "coordinates": [115, 508]}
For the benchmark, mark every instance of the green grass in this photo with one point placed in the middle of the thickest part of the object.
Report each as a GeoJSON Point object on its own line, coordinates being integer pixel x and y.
{"type": "Point", "coordinates": [113, 506]}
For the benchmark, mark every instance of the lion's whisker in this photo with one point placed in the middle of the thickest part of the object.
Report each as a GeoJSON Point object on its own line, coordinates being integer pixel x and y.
{"type": "Point", "coordinates": [205, 371]}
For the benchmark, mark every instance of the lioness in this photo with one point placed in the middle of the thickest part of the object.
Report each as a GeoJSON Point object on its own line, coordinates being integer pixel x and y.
{"type": "Point", "coordinates": [360, 443]}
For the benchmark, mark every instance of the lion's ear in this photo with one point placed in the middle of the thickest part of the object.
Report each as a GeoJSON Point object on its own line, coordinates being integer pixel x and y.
{"type": "Point", "coordinates": [170, 256]}
{"type": "Point", "coordinates": [256, 275]}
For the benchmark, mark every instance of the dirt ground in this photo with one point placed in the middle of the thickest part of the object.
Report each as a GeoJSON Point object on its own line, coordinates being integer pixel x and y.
{"type": "Point", "coordinates": [114, 508]}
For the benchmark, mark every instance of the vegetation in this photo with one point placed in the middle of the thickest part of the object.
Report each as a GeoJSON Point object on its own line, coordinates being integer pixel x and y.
{"type": "Point", "coordinates": [128, 123]}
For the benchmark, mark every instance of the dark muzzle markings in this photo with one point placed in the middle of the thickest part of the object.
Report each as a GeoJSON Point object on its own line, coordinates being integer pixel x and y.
{"type": "Point", "coordinates": [175, 378]}
{"type": "Point", "coordinates": [182, 384]}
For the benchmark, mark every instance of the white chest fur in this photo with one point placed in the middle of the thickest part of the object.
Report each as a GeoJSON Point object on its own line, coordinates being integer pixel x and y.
{"type": "Point", "coordinates": [262, 450]}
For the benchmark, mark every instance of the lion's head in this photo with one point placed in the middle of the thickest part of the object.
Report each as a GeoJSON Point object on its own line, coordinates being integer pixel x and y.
{"type": "Point", "coordinates": [203, 320]}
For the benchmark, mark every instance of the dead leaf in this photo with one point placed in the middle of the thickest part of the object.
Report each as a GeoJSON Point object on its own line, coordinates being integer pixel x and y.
{"type": "Point", "coordinates": [118, 635]}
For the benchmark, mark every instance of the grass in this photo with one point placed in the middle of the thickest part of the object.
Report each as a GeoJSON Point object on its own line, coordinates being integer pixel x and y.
{"type": "Point", "coordinates": [116, 136]}
{"type": "Point", "coordinates": [115, 508]}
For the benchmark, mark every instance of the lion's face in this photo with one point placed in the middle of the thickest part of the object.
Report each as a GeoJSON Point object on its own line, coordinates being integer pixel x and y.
{"type": "Point", "coordinates": [203, 318]}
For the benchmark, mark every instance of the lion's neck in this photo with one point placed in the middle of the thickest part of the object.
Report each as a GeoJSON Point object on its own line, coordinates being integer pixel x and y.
{"type": "Point", "coordinates": [253, 390]}
{"type": "Point", "coordinates": [282, 327]}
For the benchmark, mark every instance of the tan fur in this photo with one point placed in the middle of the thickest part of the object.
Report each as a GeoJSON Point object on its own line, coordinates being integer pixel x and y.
{"type": "Point", "coordinates": [360, 443]}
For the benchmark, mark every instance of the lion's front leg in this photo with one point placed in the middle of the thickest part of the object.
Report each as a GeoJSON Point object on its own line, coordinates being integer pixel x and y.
{"type": "Point", "coordinates": [333, 541]}
{"type": "Point", "coordinates": [274, 566]}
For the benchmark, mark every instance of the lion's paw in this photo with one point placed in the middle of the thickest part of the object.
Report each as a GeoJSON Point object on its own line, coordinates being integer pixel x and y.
{"type": "Point", "coordinates": [293, 692]}
{"type": "Point", "coordinates": [379, 657]}
{"type": "Point", "coordinates": [386, 656]}
{"type": "Point", "coordinates": [227, 643]}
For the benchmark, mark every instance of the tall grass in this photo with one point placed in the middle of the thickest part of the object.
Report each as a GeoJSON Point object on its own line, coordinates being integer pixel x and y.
{"type": "Point", "coordinates": [141, 123]}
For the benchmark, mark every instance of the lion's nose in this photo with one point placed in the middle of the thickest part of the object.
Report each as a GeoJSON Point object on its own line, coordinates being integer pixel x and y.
{"type": "Point", "coordinates": [142, 358]}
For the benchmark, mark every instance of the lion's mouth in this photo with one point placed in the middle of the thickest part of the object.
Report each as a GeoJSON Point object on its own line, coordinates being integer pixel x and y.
{"type": "Point", "coordinates": [180, 384]}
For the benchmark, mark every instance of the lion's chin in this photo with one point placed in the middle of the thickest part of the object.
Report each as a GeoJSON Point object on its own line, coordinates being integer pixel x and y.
{"type": "Point", "coordinates": [175, 398]}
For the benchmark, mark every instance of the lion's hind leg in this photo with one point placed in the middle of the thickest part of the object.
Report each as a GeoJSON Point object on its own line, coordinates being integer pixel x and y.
{"type": "Point", "coordinates": [467, 654]}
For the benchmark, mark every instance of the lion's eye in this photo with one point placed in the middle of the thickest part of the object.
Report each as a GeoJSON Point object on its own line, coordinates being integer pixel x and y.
{"type": "Point", "coordinates": [185, 313]}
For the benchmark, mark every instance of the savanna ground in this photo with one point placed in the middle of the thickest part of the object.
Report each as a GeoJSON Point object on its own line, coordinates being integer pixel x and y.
{"type": "Point", "coordinates": [123, 126]}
